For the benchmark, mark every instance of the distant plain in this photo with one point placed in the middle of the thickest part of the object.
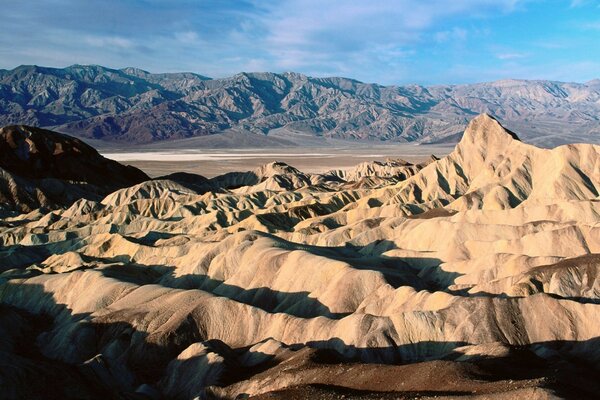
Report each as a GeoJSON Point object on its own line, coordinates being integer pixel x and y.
{"type": "Point", "coordinates": [213, 162]}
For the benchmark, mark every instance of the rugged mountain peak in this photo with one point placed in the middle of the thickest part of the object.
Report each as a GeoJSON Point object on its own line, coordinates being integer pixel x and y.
{"type": "Point", "coordinates": [135, 71]}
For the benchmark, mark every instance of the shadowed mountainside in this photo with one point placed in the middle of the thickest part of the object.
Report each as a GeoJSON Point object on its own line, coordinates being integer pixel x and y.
{"type": "Point", "coordinates": [41, 168]}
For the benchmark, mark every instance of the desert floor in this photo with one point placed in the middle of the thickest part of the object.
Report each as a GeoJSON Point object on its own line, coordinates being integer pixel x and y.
{"type": "Point", "coordinates": [211, 163]}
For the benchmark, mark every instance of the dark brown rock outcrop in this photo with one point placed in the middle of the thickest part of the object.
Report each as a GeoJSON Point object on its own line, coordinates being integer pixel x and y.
{"type": "Point", "coordinates": [42, 168]}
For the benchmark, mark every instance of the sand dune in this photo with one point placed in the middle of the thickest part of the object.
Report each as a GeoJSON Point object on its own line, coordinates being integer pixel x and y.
{"type": "Point", "coordinates": [475, 274]}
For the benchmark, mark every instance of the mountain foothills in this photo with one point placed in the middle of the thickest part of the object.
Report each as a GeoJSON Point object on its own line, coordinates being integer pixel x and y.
{"type": "Point", "coordinates": [474, 275]}
{"type": "Point", "coordinates": [134, 106]}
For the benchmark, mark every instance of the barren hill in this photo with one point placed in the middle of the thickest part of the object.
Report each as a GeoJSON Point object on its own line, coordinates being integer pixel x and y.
{"type": "Point", "coordinates": [474, 275]}
{"type": "Point", "coordinates": [41, 168]}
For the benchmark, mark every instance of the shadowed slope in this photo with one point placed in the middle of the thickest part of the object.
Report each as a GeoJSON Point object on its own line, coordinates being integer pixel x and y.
{"type": "Point", "coordinates": [41, 168]}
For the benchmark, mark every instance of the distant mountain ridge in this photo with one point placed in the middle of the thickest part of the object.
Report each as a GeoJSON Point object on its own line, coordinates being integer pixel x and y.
{"type": "Point", "coordinates": [134, 106]}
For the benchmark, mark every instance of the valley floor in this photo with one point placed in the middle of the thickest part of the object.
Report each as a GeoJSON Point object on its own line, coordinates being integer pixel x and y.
{"type": "Point", "coordinates": [211, 162]}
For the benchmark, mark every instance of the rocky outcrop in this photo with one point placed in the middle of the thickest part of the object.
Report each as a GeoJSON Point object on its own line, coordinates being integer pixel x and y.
{"type": "Point", "coordinates": [41, 168]}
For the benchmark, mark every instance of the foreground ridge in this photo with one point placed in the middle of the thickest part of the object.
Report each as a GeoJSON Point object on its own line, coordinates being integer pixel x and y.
{"type": "Point", "coordinates": [474, 274]}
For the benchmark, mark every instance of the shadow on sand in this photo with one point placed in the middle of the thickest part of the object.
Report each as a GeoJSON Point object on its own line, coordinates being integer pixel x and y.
{"type": "Point", "coordinates": [106, 356]}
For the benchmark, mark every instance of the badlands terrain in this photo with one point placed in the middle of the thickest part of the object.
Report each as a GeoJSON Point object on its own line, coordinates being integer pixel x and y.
{"type": "Point", "coordinates": [473, 275]}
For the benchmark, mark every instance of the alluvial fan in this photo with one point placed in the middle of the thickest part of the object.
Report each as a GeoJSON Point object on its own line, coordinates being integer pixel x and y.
{"type": "Point", "coordinates": [471, 275]}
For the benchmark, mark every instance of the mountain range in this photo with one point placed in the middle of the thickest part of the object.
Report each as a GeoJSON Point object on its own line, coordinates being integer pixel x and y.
{"type": "Point", "coordinates": [134, 106]}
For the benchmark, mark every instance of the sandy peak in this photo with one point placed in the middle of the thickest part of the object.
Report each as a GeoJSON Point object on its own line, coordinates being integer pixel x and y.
{"type": "Point", "coordinates": [485, 134]}
{"type": "Point", "coordinates": [484, 126]}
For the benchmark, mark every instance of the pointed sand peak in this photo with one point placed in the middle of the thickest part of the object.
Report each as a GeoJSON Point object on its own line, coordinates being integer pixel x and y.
{"type": "Point", "coordinates": [485, 136]}
{"type": "Point", "coordinates": [485, 126]}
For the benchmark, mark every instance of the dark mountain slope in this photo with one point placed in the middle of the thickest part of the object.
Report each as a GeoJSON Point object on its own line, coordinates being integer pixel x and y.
{"type": "Point", "coordinates": [41, 168]}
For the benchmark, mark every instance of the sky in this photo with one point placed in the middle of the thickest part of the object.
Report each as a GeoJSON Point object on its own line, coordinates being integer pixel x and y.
{"type": "Point", "coordinates": [386, 42]}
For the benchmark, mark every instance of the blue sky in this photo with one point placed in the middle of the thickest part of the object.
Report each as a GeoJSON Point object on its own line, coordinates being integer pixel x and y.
{"type": "Point", "coordinates": [388, 42]}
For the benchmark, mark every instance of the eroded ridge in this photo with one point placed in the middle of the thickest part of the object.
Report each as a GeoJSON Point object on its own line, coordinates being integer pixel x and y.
{"type": "Point", "coordinates": [478, 271]}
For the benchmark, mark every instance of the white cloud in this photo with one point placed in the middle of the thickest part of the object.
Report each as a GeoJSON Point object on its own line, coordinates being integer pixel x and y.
{"type": "Point", "coordinates": [593, 26]}
{"type": "Point", "coordinates": [340, 28]}
{"type": "Point", "coordinates": [510, 56]}
{"type": "Point", "coordinates": [187, 37]}
{"type": "Point", "coordinates": [255, 65]}
{"type": "Point", "coordinates": [454, 34]}
{"type": "Point", "coordinates": [109, 41]}
{"type": "Point", "coordinates": [380, 41]}
{"type": "Point", "coordinates": [579, 3]}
